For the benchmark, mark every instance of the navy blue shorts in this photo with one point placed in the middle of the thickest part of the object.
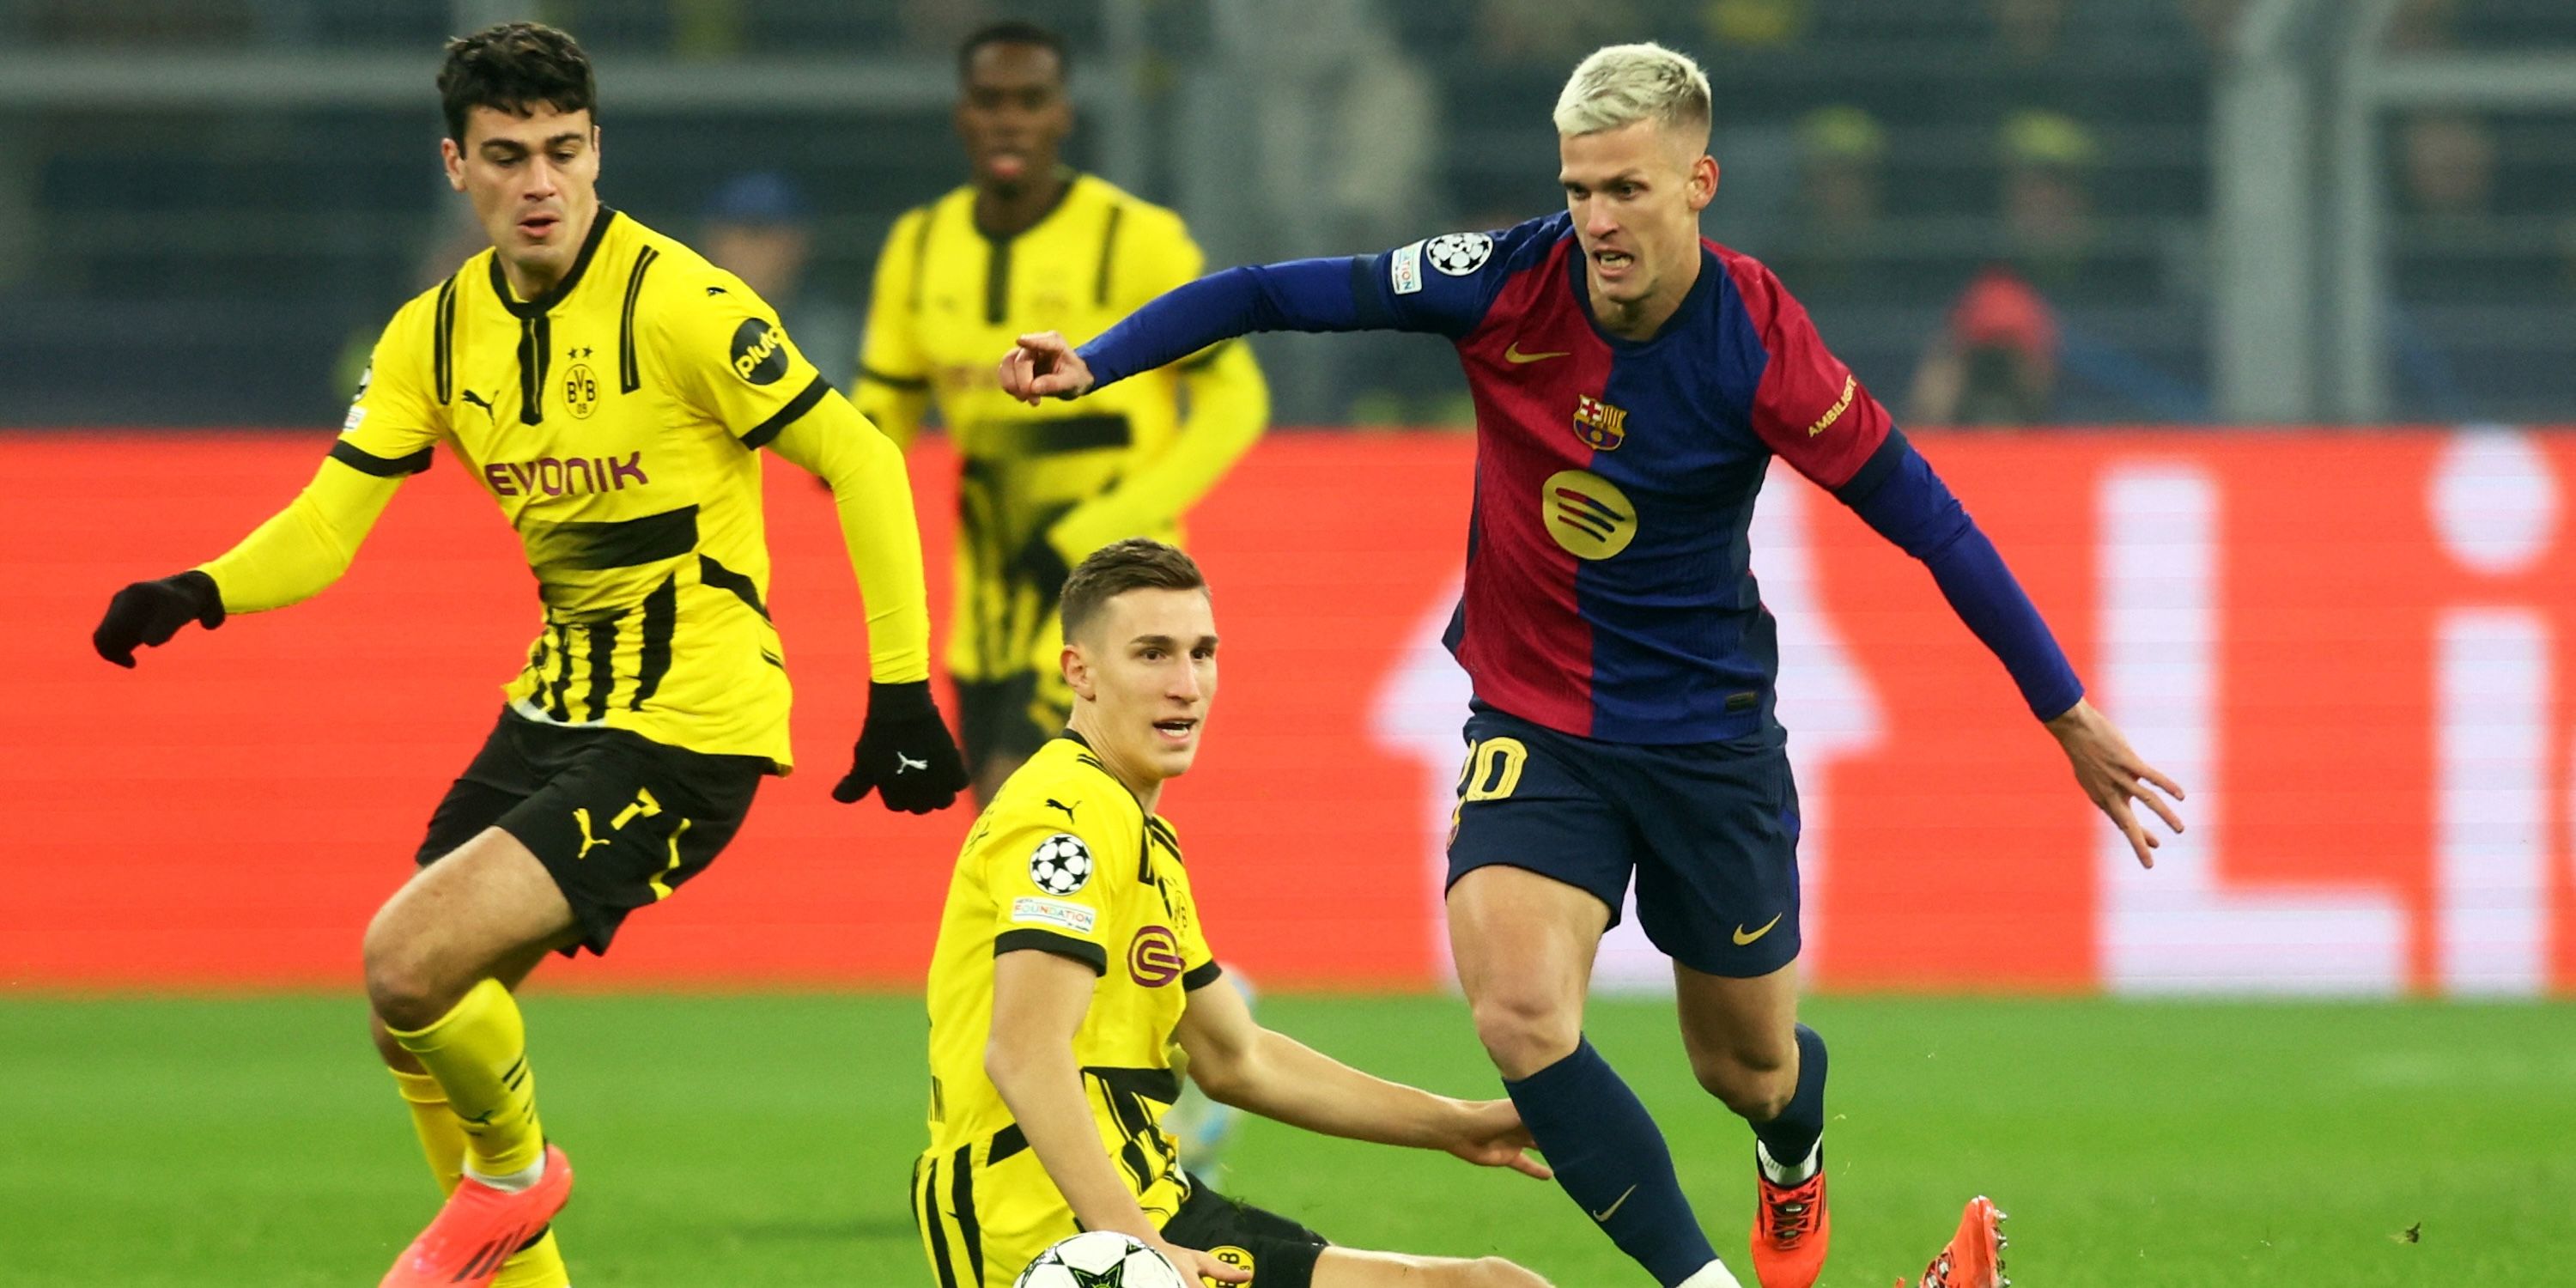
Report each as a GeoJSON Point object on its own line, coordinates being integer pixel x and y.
{"type": "Point", "coordinates": [1709, 829]}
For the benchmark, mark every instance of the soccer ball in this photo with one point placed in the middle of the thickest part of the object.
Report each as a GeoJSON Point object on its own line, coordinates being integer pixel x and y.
{"type": "Point", "coordinates": [1061, 865]}
{"type": "Point", "coordinates": [1101, 1259]}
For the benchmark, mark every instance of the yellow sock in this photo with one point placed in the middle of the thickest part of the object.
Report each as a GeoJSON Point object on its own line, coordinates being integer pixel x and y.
{"type": "Point", "coordinates": [442, 1138]}
{"type": "Point", "coordinates": [478, 1052]}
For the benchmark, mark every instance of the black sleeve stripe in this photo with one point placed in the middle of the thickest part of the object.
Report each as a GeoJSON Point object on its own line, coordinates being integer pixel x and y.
{"type": "Point", "coordinates": [1205, 974]}
{"type": "Point", "coordinates": [1208, 359]}
{"type": "Point", "coordinates": [443, 341]}
{"type": "Point", "coordinates": [1047, 941]}
{"type": "Point", "coordinates": [788, 415]}
{"type": "Point", "coordinates": [909, 384]}
{"type": "Point", "coordinates": [381, 467]}
{"type": "Point", "coordinates": [1875, 471]}
{"type": "Point", "coordinates": [630, 376]}
{"type": "Point", "coordinates": [1108, 255]}
{"type": "Point", "coordinates": [1365, 272]}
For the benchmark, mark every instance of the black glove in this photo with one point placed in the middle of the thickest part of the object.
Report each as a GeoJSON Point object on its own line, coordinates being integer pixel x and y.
{"type": "Point", "coordinates": [904, 752]}
{"type": "Point", "coordinates": [150, 612]}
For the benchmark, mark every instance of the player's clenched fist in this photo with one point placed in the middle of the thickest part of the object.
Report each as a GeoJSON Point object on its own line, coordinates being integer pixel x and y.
{"type": "Point", "coordinates": [150, 612]}
{"type": "Point", "coordinates": [905, 753]}
{"type": "Point", "coordinates": [1044, 366]}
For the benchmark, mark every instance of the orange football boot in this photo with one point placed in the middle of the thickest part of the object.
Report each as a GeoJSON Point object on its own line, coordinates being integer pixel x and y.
{"type": "Point", "coordinates": [479, 1228]}
{"type": "Point", "coordinates": [1791, 1229]}
{"type": "Point", "coordinates": [1975, 1257]}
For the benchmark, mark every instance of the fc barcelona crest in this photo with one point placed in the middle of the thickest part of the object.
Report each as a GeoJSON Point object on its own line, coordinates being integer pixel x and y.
{"type": "Point", "coordinates": [1598, 423]}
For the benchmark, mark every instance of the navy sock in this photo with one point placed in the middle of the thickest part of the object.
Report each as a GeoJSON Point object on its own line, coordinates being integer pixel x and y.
{"type": "Point", "coordinates": [1611, 1159]}
{"type": "Point", "coordinates": [1793, 1135]}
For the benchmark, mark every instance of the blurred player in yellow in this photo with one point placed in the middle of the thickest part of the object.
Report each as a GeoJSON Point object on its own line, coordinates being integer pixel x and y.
{"type": "Point", "coordinates": [611, 390]}
{"type": "Point", "coordinates": [1031, 244]}
{"type": "Point", "coordinates": [1070, 960]}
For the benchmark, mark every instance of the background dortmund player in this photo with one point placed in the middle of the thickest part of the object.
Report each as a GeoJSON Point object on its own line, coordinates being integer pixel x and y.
{"type": "Point", "coordinates": [1030, 243]}
{"type": "Point", "coordinates": [610, 389]}
{"type": "Point", "coordinates": [1070, 957]}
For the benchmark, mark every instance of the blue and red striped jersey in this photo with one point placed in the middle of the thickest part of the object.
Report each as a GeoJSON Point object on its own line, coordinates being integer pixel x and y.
{"type": "Point", "coordinates": [1609, 588]}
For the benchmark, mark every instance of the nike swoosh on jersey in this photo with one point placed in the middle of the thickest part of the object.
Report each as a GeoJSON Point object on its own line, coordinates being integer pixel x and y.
{"type": "Point", "coordinates": [1741, 938]}
{"type": "Point", "coordinates": [1612, 1210]}
{"type": "Point", "coordinates": [1513, 355]}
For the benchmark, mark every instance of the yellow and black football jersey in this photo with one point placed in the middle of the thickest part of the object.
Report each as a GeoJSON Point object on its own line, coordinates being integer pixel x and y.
{"type": "Point", "coordinates": [1064, 861]}
{"type": "Point", "coordinates": [949, 301]}
{"type": "Point", "coordinates": [613, 419]}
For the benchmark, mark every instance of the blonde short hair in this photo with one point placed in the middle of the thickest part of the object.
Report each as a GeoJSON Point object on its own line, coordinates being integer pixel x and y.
{"type": "Point", "coordinates": [1623, 84]}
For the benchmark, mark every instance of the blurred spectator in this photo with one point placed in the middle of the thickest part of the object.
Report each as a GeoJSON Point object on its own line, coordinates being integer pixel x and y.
{"type": "Point", "coordinates": [939, 25]}
{"type": "Point", "coordinates": [2448, 162]}
{"type": "Point", "coordinates": [1994, 362]}
{"type": "Point", "coordinates": [2215, 20]}
{"type": "Point", "coordinates": [1842, 156]}
{"type": "Point", "coordinates": [2424, 24]}
{"type": "Point", "coordinates": [758, 229]}
{"type": "Point", "coordinates": [2028, 30]}
{"type": "Point", "coordinates": [133, 23]}
{"type": "Point", "coordinates": [1553, 31]}
{"type": "Point", "coordinates": [1755, 24]}
{"type": "Point", "coordinates": [2047, 198]}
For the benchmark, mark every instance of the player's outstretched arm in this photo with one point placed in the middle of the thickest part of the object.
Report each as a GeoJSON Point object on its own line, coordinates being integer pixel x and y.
{"type": "Point", "coordinates": [1299, 295]}
{"type": "Point", "coordinates": [1239, 1063]}
{"type": "Point", "coordinates": [1898, 494]}
{"type": "Point", "coordinates": [294, 556]}
{"type": "Point", "coordinates": [1039, 1000]}
{"type": "Point", "coordinates": [904, 752]}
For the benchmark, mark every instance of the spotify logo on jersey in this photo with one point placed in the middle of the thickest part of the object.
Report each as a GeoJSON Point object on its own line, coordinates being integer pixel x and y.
{"type": "Point", "coordinates": [1587, 514]}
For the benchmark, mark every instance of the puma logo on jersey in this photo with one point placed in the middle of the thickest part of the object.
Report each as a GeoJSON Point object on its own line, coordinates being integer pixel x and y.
{"type": "Point", "coordinates": [550, 476]}
{"type": "Point", "coordinates": [1053, 803]}
{"type": "Point", "coordinates": [479, 401]}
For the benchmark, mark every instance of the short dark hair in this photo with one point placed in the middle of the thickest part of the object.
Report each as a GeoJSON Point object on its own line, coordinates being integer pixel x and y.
{"type": "Point", "coordinates": [1137, 563]}
{"type": "Point", "coordinates": [512, 68]}
{"type": "Point", "coordinates": [1015, 32]}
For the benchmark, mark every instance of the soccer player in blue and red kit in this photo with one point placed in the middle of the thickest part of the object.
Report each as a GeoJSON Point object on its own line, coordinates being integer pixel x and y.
{"type": "Point", "coordinates": [1631, 383]}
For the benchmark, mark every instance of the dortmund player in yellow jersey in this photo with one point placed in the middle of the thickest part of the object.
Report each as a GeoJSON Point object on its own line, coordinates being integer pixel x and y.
{"type": "Point", "coordinates": [1028, 242]}
{"type": "Point", "coordinates": [1071, 958]}
{"type": "Point", "coordinates": [611, 390]}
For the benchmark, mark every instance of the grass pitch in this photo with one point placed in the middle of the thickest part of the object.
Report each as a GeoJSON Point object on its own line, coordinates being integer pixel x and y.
{"type": "Point", "coordinates": [763, 1142]}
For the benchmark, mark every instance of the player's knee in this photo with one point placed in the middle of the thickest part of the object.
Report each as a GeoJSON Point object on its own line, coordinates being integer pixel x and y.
{"type": "Point", "coordinates": [402, 987]}
{"type": "Point", "coordinates": [1525, 1032]}
{"type": "Point", "coordinates": [388, 1050]}
{"type": "Point", "coordinates": [1756, 1091]}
